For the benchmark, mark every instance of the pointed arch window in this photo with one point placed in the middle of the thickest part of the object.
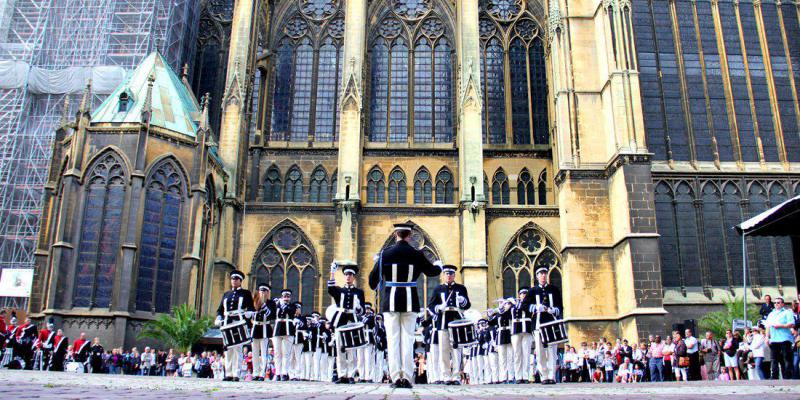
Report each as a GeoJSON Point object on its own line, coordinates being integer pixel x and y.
{"type": "Point", "coordinates": [99, 232]}
{"type": "Point", "coordinates": [541, 189]}
{"type": "Point", "coordinates": [293, 191]}
{"type": "Point", "coordinates": [500, 189]}
{"type": "Point", "coordinates": [286, 259]}
{"type": "Point", "coordinates": [525, 188]}
{"type": "Point", "coordinates": [272, 185]}
{"type": "Point", "coordinates": [376, 187]}
{"type": "Point", "coordinates": [529, 250]}
{"type": "Point", "coordinates": [444, 186]}
{"type": "Point", "coordinates": [423, 188]}
{"type": "Point", "coordinates": [334, 183]}
{"type": "Point", "coordinates": [406, 67]}
{"type": "Point", "coordinates": [512, 51]}
{"type": "Point", "coordinates": [158, 250]}
{"type": "Point", "coordinates": [397, 186]}
{"type": "Point", "coordinates": [318, 189]}
{"type": "Point", "coordinates": [309, 45]}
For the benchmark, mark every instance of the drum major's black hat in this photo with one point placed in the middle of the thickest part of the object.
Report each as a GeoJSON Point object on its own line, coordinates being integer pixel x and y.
{"type": "Point", "coordinates": [449, 268]}
{"type": "Point", "coordinates": [349, 267]}
{"type": "Point", "coordinates": [403, 227]}
{"type": "Point", "coordinates": [237, 274]}
{"type": "Point", "coordinates": [263, 286]}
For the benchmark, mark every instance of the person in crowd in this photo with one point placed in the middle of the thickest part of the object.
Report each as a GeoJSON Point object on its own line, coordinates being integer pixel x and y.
{"type": "Point", "coordinates": [187, 366]}
{"type": "Point", "coordinates": [757, 343]}
{"type": "Point", "coordinates": [669, 356]}
{"type": "Point", "coordinates": [624, 374]}
{"type": "Point", "coordinates": [597, 375]}
{"type": "Point", "coordinates": [766, 307]}
{"type": "Point", "coordinates": [681, 357]}
{"type": "Point", "coordinates": [608, 367]}
{"type": "Point", "coordinates": [655, 357]}
{"type": "Point", "coordinates": [171, 363]}
{"type": "Point", "coordinates": [779, 333]}
{"type": "Point", "coordinates": [96, 352]}
{"type": "Point", "coordinates": [693, 351]}
{"type": "Point", "coordinates": [710, 351]}
{"type": "Point", "coordinates": [729, 347]}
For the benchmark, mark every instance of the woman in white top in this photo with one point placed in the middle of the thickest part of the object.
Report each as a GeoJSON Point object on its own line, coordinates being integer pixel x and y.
{"type": "Point", "coordinates": [187, 365]}
{"type": "Point", "coordinates": [757, 344]}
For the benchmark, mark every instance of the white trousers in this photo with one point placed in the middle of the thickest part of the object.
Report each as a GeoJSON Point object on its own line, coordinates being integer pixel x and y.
{"type": "Point", "coordinates": [296, 370]}
{"type": "Point", "coordinates": [449, 358]}
{"type": "Point", "coordinates": [233, 361]}
{"type": "Point", "coordinates": [493, 369]}
{"type": "Point", "coordinates": [380, 367]}
{"type": "Point", "coordinates": [545, 358]}
{"type": "Point", "coordinates": [260, 351]}
{"type": "Point", "coordinates": [400, 343]}
{"type": "Point", "coordinates": [481, 369]}
{"type": "Point", "coordinates": [521, 343]}
{"type": "Point", "coordinates": [331, 361]}
{"type": "Point", "coordinates": [282, 348]}
{"type": "Point", "coordinates": [317, 369]}
{"type": "Point", "coordinates": [366, 362]}
{"type": "Point", "coordinates": [433, 364]}
{"type": "Point", "coordinates": [345, 359]}
{"type": "Point", "coordinates": [308, 365]}
{"type": "Point", "coordinates": [505, 356]}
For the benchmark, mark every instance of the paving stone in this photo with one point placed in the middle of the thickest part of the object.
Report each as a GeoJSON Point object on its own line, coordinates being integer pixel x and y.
{"type": "Point", "coordinates": [57, 385]}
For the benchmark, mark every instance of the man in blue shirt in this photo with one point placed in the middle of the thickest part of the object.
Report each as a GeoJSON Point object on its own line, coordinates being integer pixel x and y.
{"type": "Point", "coordinates": [779, 324]}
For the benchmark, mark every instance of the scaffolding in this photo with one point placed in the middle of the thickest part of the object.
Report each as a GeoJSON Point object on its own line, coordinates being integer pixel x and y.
{"type": "Point", "coordinates": [48, 36]}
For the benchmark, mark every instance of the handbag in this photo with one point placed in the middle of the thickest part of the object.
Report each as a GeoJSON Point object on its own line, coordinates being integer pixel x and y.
{"type": "Point", "coordinates": [683, 362]}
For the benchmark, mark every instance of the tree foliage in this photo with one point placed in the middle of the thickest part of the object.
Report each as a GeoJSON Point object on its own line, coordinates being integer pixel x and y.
{"type": "Point", "coordinates": [720, 321]}
{"type": "Point", "coordinates": [180, 330]}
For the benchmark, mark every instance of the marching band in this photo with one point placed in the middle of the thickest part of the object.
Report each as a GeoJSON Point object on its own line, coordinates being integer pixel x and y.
{"type": "Point", "coordinates": [353, 342]}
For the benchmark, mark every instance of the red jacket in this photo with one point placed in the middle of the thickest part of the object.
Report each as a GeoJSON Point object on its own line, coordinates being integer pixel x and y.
{"type": "Point", "coordinates": [43, 335]}
{"type": "Point", "coordinates": [76, 345]}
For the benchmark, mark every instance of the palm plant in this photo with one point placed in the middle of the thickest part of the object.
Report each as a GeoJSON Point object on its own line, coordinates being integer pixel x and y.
{"type": "Point", "coordinates": [179, 330]}
{"type": "Point", "coordinates": [720, 321]}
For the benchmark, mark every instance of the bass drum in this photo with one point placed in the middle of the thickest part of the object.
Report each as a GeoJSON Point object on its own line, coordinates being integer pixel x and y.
{"type": "Point", "coordinates": [74, 367]}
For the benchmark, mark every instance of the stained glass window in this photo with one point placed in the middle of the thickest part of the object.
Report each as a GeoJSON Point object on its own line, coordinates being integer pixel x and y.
{"type": "Point", "coordinates": [529, 250]}
{"type": "Point", "coordinates": [287, 258]}
{"type": "Point", "coordinates": [525, 188]}
{"type": "Point", "coordinates": [444, 186]}
{"type": "Point", "coordinates": [398, 98]}
{"type": "Point", "coordinates": [431, 85]}
{"type": "Point", "coordinates": [318, 189]}
{"type": "Point", "coordinates": [494, 92]}
{"type": "Point", "coordinates": [376, 189]}
{"type": "Point", "coordinates": [423, 188]}
{"type": "Point", "coordinates": [541, 189]}
{"type": "Point", "coordinates": [293, 190]}
{"type": "Point", "coordinates": [158, 246]}
{"type": "Point", "coordinates": [509, 33]}
{"type": "Point", "coordinates": [272, 185]}
{"type": "Point", "coordinates": [397, 186]}
{"type": "Point", "coordinates": [100, 230]}
{"type": "Point", "coordinates": [423, 92]}
{"type": "Point", "coordinates": [500, 190]}
{"type": "Point", "coordinates": [304, 107]}
{"type": "Point", "coordinates": [379, 99]}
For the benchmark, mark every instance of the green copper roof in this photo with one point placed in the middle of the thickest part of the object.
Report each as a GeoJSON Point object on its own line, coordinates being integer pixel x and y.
{"type": "Point", "coordinates": [174, 107]}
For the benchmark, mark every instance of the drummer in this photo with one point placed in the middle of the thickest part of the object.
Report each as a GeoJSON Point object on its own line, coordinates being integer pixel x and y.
{"type": "Point", "coordinates": [546, 303]}
{"type": "Point", "coordinates": [521, 336]}
{"type": "Point", "coordinates": [448, 302]}
{"type": "Point", "coordinates": [235, 305]}
{"type": "Point", "coordinates": [348, 301]}
{"type": "Point", "coordinates": [283, 334]}
{"type": "Point", "coordinates": [262, 331]}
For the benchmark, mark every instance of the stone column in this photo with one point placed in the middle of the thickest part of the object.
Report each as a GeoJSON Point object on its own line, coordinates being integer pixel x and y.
{"type": "Point", "coordinates": [350, 136]}
{"type": "Point", "coordinates": [233, 126]}
{"type": "Point", "coordinates": [611, 269]}
{"type": "Point", "coordinates": [470, 155]}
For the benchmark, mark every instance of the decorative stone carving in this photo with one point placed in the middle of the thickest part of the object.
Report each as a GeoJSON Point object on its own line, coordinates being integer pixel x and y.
{"type": "Point", "coordinates": [318, 9]}
{"type": "Point", "coordinates": [411, 9]}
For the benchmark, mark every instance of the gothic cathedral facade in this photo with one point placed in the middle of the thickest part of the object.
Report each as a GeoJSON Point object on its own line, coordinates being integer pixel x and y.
{"type": "Point", "coordinates": [614, 142]}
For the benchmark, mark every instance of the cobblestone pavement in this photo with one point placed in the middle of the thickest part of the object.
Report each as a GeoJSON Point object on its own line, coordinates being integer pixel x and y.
{"type": "Point", "coordinates": [59, 385]}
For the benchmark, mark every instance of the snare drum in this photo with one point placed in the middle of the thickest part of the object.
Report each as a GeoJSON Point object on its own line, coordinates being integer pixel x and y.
{"type": "Point", "coordinates": [235, 334]}
{"type": "Point", "coordinates": [553, 332]}
{"type": "Point", "coordinates": [353, 336]}
{"type": "Point", "coordinates": [462, 333]}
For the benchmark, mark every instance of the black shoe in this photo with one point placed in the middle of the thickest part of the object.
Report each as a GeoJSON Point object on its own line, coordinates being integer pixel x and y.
{"type": "Point", "coordinates": [342, 381]}
{"type": "Point", "coordinates": [548, 382]}
{"type": "Point", "coordinates": [236, 379]}
{"type": "Point", "coordinates": [227, 379]}
{"type": "Point", "coordinates": [352, 381]}
{"type": "Point", "coordinates": [407, 384]}
{"type": "Point", "coordinates": [286, 377]}
{"type": "Point", "coordinates": [398, 384]}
